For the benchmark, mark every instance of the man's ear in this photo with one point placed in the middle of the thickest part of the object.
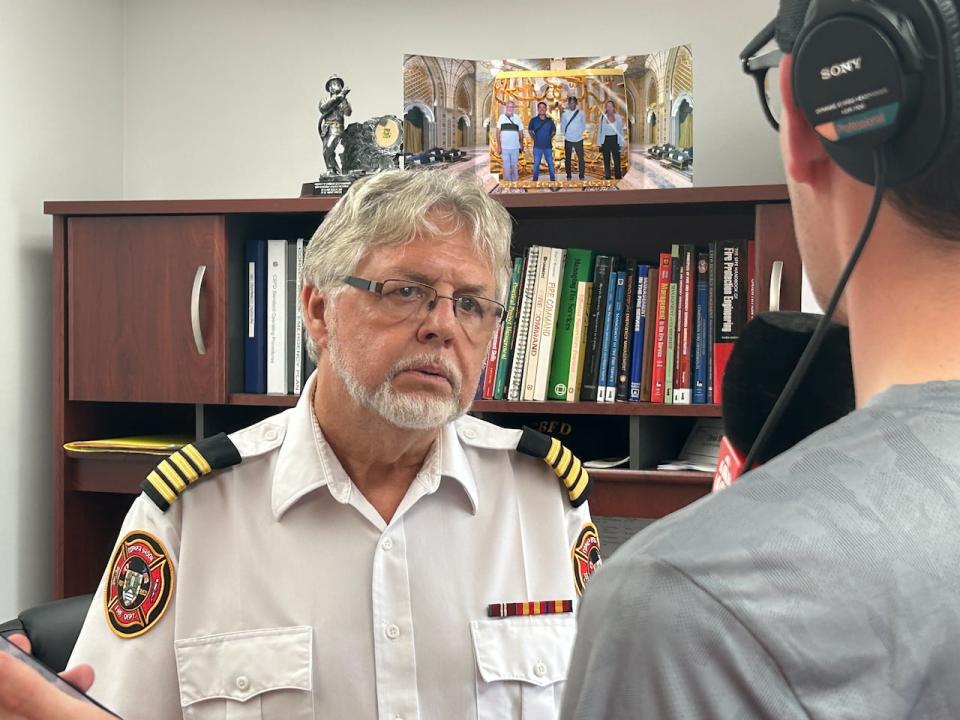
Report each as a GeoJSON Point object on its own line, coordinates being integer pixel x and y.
{"type": "Point", "coordinates": [315, 304]}
{"type": "Point", "coordinates": [804, 157]}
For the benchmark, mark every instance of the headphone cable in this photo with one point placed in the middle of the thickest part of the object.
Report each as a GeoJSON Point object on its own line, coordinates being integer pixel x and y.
{"type": "Point", "coordinates": [880, 181]}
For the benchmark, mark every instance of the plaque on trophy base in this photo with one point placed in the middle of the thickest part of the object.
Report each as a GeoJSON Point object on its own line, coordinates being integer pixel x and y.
{"type": "Point", "coordinates": [328, 186]}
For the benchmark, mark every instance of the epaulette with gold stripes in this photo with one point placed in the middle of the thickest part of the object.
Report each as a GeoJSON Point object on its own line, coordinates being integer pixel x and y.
{"type": "Point", "coordinates": [564, 463]}
{"type": "Point", "coordinates": [173, 475]}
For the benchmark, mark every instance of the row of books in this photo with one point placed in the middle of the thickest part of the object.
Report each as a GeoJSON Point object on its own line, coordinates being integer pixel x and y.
{"type": "Point", "coordinates": [275, 356]}
{"type": "Point", "coordinates": [600, 328]}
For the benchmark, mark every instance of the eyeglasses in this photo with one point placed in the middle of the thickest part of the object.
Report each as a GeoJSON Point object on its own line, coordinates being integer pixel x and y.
{"type": "Point", "coordinates": [765, 69]}
{"type": "Point", "coordinates": [404, 299]}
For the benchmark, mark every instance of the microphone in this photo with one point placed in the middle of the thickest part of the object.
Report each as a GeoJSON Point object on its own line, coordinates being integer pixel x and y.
{"type": "Point", "coordinates": [760, 364]}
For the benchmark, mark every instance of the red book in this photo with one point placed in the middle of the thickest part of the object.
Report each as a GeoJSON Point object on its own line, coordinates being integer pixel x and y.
{"type": "Point", "coordinates": [660, 339]}
{"type": "Point", "coordinates": [490, 375]}
{"type": "Point", "coordinates": [683, 386]}
{"type": "Point", "coordinates": [732, 304]}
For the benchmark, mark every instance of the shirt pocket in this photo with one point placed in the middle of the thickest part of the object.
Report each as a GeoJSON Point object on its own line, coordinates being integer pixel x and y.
{"type": "Point", "coordinates": [247, 675]}
{"type": "Point", "coordinates": [521, 665]}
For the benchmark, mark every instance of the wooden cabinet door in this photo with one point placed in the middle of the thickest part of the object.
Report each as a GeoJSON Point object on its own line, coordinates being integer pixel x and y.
{"type": "Point", "coordinates": [146, 309]}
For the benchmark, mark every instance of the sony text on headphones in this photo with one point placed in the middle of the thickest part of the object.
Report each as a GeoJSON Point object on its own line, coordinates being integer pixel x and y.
{"type": "Point", "coordinates": [868, 74]}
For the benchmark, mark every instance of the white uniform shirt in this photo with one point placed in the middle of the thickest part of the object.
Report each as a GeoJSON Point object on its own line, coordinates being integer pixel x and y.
{"type": "Point", "coordinates": [294, 599]}
{"type": "Point", "coordinates": [509, 139]}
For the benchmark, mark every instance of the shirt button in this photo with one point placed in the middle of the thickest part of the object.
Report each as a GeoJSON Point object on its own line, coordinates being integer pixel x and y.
{"type": "Point", "coordinates": [470, 433]}
{"type": "Point", "coordinates": [242, 682]}
{"type": "Point", "coordinates": [270, 435]}
{"type": "Point", "coordinates": [392, 632]}
{"type": "Point", "coordinates": [539, 669]}
{"type": "Point", "coordinates": [387, 544]}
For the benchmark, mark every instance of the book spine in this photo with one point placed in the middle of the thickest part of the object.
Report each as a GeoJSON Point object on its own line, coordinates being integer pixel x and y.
{"type": "Point", "coordinates": [658, 388]}
{"type": "Point", "coordinates": [532, 363]}
{"type": "Point", "coordinates": [671, 338]}
{"type": "Point", "coordinates": [700, 335]}
{"type": "Point", "coordinates": [509, 329]}
{"type": "Point", "coordinates": [732, 310]}
{"type": "Point", "coordinates": [298, 340]}
{"type": "Point", "coordinates": [579, 343]}
{"type": "Point", "coordinates": [598, 299]}
{"type": "Point", "coordinates": [711, 313]}
{"type": "Point", "coordinates": [276, 316]}
{"type": "Point", "coordinates": [548, 332]}
{"type": "Point", "coordinates": [682, 393]}
{"type": "Point", "coordinates": [490, 371]}
{"type": "Point", "coordinates": [523, 323]}
{"type": "Point", "coordinates": [576, 269]}
{"type": "Point", "coordinates": [626, 334]}
{"type": "Point", "coordinates": [291, 303]}
{"type": "Point", "coordinates": [616, 336]}
{"type": "Point", "coordinates": [639, 325]}
{"type": "Point", "coordinates": [255, 350]}
{"type": "Point", "coordinates": [649, 334]}
{"type": "Point", "coordinates": [603, 373]}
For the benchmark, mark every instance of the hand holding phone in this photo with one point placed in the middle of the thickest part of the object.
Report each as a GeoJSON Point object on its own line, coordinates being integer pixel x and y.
{"type": "Point", "coordinates": [31, 690]}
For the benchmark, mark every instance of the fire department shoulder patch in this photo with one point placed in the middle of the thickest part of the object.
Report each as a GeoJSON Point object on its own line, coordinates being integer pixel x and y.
{"type": "Point", "coordinates": [139, 585]}
{"type": "Point", "coordinates": [586, 556]}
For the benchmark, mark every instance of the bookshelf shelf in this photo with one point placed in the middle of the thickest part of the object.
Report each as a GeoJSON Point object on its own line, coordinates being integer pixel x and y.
{"type": "Point", "coordinates": [504, 406]}
{"type": "Point", "coordinates": [105, 385]}
{"type": "Point", "coordinates": [589, 408]}
{"type": "Point", "coordinates": [260, 400]}
{"type": "Point", "coordinates": [645, 493]}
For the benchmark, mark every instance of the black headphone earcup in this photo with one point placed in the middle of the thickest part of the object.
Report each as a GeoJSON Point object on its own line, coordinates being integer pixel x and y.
{"type": "Point", "coordinates": [890, 44]}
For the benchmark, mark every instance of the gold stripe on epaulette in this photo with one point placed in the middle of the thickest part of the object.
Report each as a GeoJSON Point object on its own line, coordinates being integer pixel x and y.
{"type": "Point", "coordinates": [573, 472]}
{"type": "Point", "coordinates": [555, 448]}
{"type": "Point", "coordinates": [161, 486]}
{"type": "Point", "coordinates": [170, 473]}
{"type": "Point", "coordinates": [581, 484]}
{"type": "Point", "coordinates": [191, 452]}
{"type": "Point", "coordinates": [186, 469]}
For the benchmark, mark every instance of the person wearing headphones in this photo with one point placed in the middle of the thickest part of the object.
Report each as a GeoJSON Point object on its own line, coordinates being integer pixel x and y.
{"type": "Point", "coordinates": [825, 583]}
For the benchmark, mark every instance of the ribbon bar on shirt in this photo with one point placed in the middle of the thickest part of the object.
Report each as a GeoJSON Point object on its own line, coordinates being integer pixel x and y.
{"type": "Point", "coordinates": [539, 607]}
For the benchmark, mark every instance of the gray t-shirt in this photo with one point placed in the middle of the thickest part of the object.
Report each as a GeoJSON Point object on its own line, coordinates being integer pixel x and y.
{"type": "Point", "coordinates": [826, 584]}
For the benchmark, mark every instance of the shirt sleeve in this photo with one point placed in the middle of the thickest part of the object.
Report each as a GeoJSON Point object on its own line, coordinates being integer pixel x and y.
{"type": "Point", "coordinates": [136, 671]}
{"type": "Point", "coordinates": [583, 541]}
{"type": "Point", "coordinates": [653, 644]}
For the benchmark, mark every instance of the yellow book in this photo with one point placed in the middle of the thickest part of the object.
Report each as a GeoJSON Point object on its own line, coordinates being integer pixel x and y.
{"type": "Point", "coordinates": [140, 444]}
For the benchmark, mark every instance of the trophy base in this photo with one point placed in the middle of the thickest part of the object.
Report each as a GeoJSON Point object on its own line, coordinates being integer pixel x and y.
{"type": "Point", "coordinates": [334, 185]}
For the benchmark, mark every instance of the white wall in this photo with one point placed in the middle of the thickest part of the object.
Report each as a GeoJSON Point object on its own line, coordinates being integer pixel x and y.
{"type": "Point", "coordinates": [60, 137]}
{"type": "Point", "coordinates": [221, 95]}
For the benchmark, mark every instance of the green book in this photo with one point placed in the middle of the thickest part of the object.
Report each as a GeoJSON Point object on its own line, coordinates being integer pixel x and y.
{"type": "Point", "coordinates": [506, 342]}
{"type": "Point", "coordinates": [671, 323]}
{"type": "Point", "coordinates": [577, 268]}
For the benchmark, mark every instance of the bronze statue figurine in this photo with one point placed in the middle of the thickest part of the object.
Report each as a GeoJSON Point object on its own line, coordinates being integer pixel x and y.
{"type": "Point", "coordinates": [333, 111]}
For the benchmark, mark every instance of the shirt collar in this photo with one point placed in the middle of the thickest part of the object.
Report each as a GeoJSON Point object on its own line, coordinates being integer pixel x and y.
{"type": "Point", "coordinates": [306, 462]}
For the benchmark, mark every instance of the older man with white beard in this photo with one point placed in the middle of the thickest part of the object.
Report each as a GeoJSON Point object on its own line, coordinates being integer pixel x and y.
{"type": "Point", "coordinates": [372, 552]}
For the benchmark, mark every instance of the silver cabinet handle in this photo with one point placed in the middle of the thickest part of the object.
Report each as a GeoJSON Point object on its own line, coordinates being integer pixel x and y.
{"type": "Point", "coordinates": [195, 310]}
{"type": "Point", "coordinates": [776, 276]}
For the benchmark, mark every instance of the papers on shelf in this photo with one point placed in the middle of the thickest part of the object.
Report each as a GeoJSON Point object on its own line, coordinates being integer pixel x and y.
{"type": "Point", "coordinates": [138, 444]}
{"type": "Point", "coordinates": [701, 448]}
{"type": "Point", "coordinates": [605, 463]}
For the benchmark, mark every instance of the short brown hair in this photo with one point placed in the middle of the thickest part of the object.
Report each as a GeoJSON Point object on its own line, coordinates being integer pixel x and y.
{"type": "Point", "coordinates": [932, 201]}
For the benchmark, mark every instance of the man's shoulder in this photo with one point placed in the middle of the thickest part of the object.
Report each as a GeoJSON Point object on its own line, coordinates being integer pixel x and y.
{"type": "Point", "coordinates": [212, 457]}
{"type": "Point", "coordinates": [536, 456]}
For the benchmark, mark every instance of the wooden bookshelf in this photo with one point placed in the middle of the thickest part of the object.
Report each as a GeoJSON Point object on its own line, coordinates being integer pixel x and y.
{"type": "Point", "coordinates": [124, 363]}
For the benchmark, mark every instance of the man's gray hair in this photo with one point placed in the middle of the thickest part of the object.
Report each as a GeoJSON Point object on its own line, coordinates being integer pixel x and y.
{"type": "Point", "coordinates": [396, 206]}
